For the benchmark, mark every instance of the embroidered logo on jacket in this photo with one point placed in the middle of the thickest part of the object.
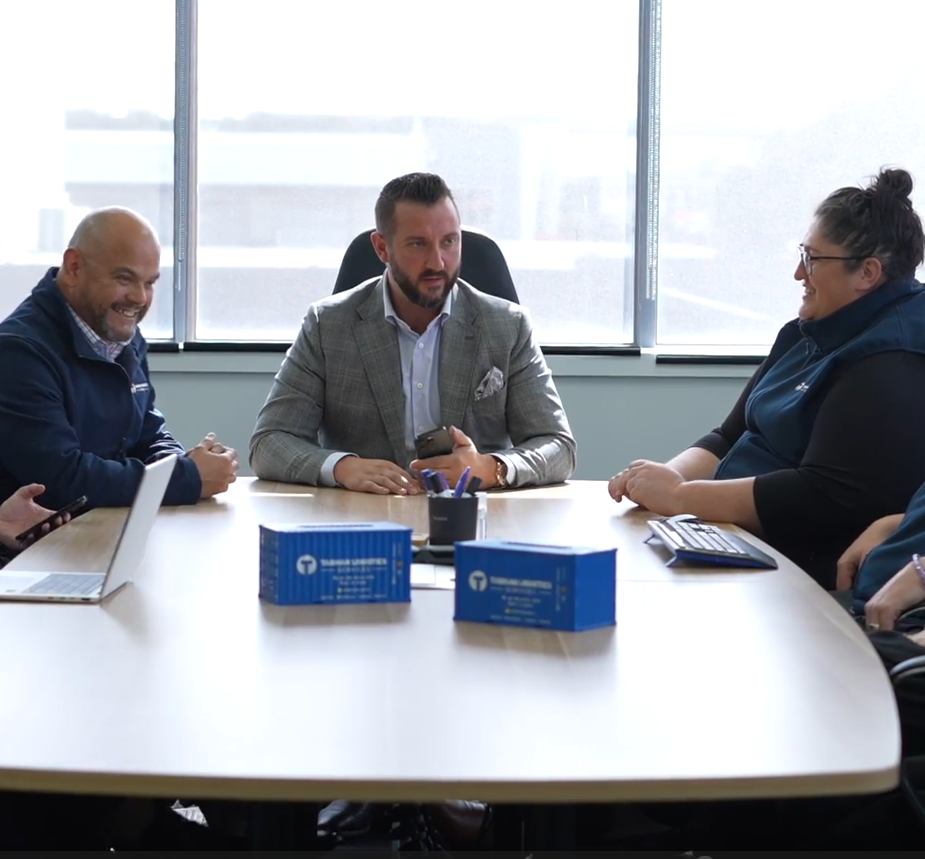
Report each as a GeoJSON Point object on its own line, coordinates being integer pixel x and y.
{"type": "Point", "coordinates": [139, 387]}
{"type": "Point", "coordinates": [802, 387]}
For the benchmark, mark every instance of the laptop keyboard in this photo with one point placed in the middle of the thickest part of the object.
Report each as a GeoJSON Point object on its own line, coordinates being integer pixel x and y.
{"type": "Point", "coordinates": [67, 584]}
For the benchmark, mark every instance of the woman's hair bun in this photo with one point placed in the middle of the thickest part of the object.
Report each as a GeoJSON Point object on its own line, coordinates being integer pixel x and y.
{"type": "Point", "coordinates": [895, 183]}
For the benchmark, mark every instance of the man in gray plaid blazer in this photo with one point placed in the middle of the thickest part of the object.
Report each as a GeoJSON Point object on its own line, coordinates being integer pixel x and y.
{"type": "Point", "coordinates": [401, 354]}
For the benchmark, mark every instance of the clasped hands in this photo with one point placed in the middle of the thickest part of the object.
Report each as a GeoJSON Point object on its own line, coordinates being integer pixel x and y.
{"type": "Point", "coordinates": [382, 477]}
{"type": "Point", "coordinates": [217, 464]}
{"type": "Point", "coordinates": [652, 485]}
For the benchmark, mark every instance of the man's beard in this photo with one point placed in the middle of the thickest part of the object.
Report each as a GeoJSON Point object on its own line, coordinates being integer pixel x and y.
{"type": "Point", "coordinates": [414, 295]}
{"type": "Point", "coordinates": [110, 334]}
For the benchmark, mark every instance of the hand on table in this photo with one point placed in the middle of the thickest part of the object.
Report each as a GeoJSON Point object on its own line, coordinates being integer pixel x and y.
{"type": "Point", "coordinates": [217, 464]}
{"type": "Point", "coordinates": [652, 485]}
{"type": "Point", "coordinates": [378, 476]}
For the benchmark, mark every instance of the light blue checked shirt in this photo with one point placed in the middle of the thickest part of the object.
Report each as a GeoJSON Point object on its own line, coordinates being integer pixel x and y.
{"type": "Point", "coordinates": [107, 350]}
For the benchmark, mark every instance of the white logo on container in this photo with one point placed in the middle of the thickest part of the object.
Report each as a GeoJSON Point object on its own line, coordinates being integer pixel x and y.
{"type": "Point", "coordinates": [478, 581]}
{"type": "Point", "coordinates": [306, 565]}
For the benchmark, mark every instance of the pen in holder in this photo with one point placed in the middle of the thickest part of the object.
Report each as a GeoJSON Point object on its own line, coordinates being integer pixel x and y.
{"type": "Point", "coordinates": [452, 519]}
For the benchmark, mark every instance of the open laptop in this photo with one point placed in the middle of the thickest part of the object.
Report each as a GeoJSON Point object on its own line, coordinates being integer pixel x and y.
{"type": "Point", "coordinates": [130, 549]}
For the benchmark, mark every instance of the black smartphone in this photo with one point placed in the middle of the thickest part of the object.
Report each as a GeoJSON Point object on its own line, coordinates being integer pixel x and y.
{"type": "Point", "coordinates": [435, 442]}
{"type": "Point", "coordinates": [36, 530]}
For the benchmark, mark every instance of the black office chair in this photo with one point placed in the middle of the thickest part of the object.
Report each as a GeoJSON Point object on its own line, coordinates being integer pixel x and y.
{"type": "Point", "coordinates": [483, 265]}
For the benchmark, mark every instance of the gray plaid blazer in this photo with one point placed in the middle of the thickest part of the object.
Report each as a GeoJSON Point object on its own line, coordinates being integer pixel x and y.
{"type": "Point", "coordinates": [340, 389]}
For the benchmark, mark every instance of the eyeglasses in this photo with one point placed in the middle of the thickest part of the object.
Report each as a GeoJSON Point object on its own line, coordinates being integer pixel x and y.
{"type": "Point", "coordinates": [807, 259]}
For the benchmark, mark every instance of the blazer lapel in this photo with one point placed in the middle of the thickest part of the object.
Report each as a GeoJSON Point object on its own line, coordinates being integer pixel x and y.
{"type": "Point", "coordinates": [377, 344]}
{"type": "Point", "coordinates": [459, 344]}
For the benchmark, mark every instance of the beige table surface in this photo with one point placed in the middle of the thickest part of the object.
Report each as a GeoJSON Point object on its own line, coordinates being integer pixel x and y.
{"type": "Point", "coordinates": [712, 684]}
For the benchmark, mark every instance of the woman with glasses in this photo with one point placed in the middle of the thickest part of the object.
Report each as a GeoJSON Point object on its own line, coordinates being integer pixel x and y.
{"type": "Point", "coordinates": [829, 434]}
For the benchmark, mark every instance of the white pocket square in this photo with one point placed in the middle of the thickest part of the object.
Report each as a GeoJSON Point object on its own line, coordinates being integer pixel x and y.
{"type": "Point", "coordinates": [491, 384]}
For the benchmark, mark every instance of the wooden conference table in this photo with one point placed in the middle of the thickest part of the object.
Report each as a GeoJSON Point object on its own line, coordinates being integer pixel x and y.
{"type": "Point", "coordinates": [712, 684]}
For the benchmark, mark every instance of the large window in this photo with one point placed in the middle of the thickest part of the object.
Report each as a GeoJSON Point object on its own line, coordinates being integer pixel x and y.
{"type": "Point", "coordinates": [87, 101]}
{"type": "Point", "coordinates": [293, 114]}
{"type": "Point", "coordinates": [765, 109]}
{"type": "Point", "coordinates": [307, 109]}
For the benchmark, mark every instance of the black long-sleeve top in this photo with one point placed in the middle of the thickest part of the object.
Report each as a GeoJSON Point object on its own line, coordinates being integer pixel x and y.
{"type": "Point", "coordinates": [864, 452]}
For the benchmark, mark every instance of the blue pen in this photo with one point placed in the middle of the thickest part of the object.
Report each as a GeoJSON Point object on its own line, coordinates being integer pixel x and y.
{"type": "Point", "coordinates": [430, 484]}
{"type": "Point", "coordinates": [461, 483]}
{"type": "Point", "coordinates": [441, 479]}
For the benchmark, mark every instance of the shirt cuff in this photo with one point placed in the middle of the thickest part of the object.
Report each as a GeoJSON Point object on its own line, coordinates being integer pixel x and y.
{"type": "Point", "coordinates": [326, 477]}
{"type": "Point", "coordinates": [511, 476]}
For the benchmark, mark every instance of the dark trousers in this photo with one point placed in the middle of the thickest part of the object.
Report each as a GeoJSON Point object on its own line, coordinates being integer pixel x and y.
{"type": "Point", "coordinates": [56, 821]}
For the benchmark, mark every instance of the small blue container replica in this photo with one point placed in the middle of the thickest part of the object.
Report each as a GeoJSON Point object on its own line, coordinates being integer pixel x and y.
{"type": "Point", "coordinates": [348, 562]}
{"type": "Point", "coordinates": [556, 587]}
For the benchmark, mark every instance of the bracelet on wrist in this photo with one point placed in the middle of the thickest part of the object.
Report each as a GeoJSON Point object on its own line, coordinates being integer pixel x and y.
{"type": "Point", "coordinates": [917, 563]}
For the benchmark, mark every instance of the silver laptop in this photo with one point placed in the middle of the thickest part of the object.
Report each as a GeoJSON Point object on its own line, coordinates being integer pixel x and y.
{"type": "Point", "coordinates": [130, 549]}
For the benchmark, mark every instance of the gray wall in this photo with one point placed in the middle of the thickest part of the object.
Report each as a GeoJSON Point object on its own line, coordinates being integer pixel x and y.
{"type": "Point", "coordinates": [619, 408]}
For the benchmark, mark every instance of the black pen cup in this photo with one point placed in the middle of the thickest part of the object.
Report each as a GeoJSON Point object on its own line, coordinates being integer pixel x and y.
{"type": "Point", "coordinates": [452, 519]}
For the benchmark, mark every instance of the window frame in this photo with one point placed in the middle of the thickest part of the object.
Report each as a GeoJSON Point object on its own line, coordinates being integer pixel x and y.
{"type": "Point", "coordinates": [642, 273]}
{"type": "Point", "coordinates": [642, 269]}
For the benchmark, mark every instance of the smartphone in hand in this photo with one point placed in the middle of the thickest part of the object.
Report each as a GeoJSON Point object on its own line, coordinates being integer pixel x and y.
{"type": "Point", "coordinates": [435, 442]}
{"type": "Point", "coordinates": [32, 534]}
